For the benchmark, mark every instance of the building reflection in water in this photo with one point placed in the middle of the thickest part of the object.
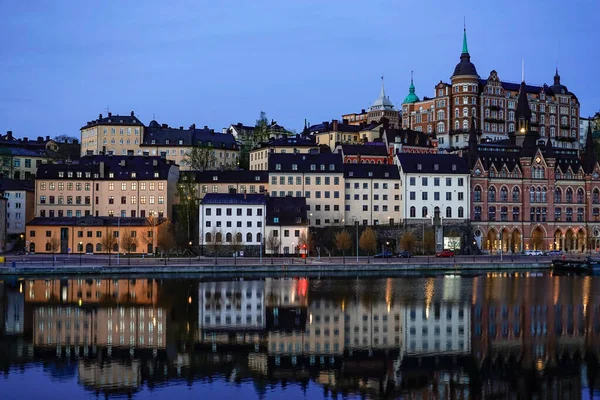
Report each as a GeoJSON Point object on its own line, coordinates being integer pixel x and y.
{"type": "Point", "coordinates": [439, 337]}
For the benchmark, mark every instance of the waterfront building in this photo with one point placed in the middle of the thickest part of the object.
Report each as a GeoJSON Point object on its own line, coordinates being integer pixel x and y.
{"type": "Point", "coordinates": [318, 177]}
{"type": "Point", "coordinates": [107, 186]}
{"type": "Point", "coordinates": [434, 184]}
{"type": "Point", "coordinates": [287, 223]}
{"type": "Point", "coordinates": [216, 181]}
{"type": "Point", "coordinates": [20, 204]}
{"type": "Point", "coordinates": [530, 195]}
{"type": "Point", "coordinates": [368, 153]}
{"type": "Point", "coordinates": [232, 220]}
{"type": "Point", "coordinates": [492, 103]}
{"type": "Point", "coordinates": [259, 156]}
{"type": "Point", "coordinates": [372, 194]}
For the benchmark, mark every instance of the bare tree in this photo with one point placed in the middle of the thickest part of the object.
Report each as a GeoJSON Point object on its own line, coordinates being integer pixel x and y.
{"type": "Point", "coordinates": [303, 243]}
{"type": "Point", "coordinates": [53, 245]}
{"type": "Point", "coordinates": [237, 244]}
{"type": "Point", "coordinates": [109, 241]}
{"type": "Point", "coordinates": [407, 242]}
{"type": "Point", "coordinates": [201, 158]}
{"type": "Point", "coordinates": [129, 243]}
{"type": "Point", "coordinates": [216, 241]}
{"type": "Point", "coordinates": [343, 242]}
{"type": "Point", "coordinates": [272, 244]}
{"type": "Point", "coordinates": [368, 241]}
{"type": "Point", "coordinates": [429, 241]}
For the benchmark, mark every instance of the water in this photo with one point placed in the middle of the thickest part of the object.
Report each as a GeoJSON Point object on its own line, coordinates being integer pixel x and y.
{"type": "Point", "coordinates": [493, 335]}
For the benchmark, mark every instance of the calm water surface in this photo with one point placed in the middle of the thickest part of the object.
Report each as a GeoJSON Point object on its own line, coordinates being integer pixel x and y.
{"type": "Point", "coordinates": [451, 337]}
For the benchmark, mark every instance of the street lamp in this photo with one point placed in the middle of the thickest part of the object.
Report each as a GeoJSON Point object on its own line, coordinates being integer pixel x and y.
{"type": "Point", "coordinates": [355, 220]}
{"type": "Point", "coordinates": [423, 237]}
{"type": "Point", "coordinates": [80, 251]}
{"type": "Point", "coordinates": [190, 252]}
{"type": "Point", "coordinates": [387, 246]}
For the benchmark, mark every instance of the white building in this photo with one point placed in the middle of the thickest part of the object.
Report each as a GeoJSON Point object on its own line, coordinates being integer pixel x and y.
{"type": "Point", "coordinates": [372, 194]}
{"type": "Point", "coordinates": [434, 182]}
{"type": "Point", "coordinates": [20, 204]}
{"type": "Point", "coordinates": [225, 217]}
{"type": "Point", "coordinates": [14, 315]}
{"type": "Point", "coordinates": [288, 223]}
{"type": "Point", "coordinates": [231, 305]}
{"type": "Point", "coordinates": [583, 128]}
{"type": "Point", "coordinates": [376, 326]}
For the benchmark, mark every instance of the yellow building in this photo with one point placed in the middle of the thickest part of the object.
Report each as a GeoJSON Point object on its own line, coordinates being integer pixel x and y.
{"type": "Point", "coordinates": [225, 181]}
{"type": "Point", "coordinates": [125, 186]}
{"type": "Point", "coordinates": [330, 134]}
{"type": "Point", "coordinates": [259, 157]}
{"type": "Point", "coordinates": [114, 133]}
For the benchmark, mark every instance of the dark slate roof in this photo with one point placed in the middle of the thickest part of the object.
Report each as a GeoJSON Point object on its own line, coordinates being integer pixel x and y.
{"type": "Point", "coordinates": [242, 176]}
{"type": "Point", "coordinates": [187, 137]}
{"type": "Point", "coordinates": [110, 119]}
{"type": "Point", "coordinates": [367, 171]}
{"type": "Point", "coordinates": [288, 210]}
{"type": "Point", "coordinates": [369, 149]}
{"type": "Point", "coordinates": [328, 127]}
{"type": "Point", "coordinates": [566, 158]}
{"type": "Point", "coordinates": [523, 110]}
{"type": "Point", "coordinates": [291, 141]}
{"type": "Point", "coordinates": [238, 198]}
{"type": "Point", "coordinates": [409, 163]}
{"type": "Point", "coordinates": [531, 89]}
{"type": "Point", "coordinates": [465, 66]}
{"type": "Point", "coordinates": [91, 221]}
{"type": "Point", "coordinates": [14, 184]}
{"type": "Point", "coordinates": [121, 166]}
{"type": "Point", "coordinates": [497, 155]}
{"type": "Point", "coordinates": [407, 137]}
{"type": "Point", "coordinates": [322, 162]}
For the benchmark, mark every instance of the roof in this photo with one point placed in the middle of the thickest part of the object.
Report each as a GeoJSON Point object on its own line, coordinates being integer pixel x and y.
{"type": "Point", "coordinates": [231, 176]}
{"type": "Point", "coordinates": [315, 163]}
{"type": "Point", "coordinates": [100, 167]}
{"type": "Point", "coordinates": [110, 119]}
{"type": "Point", "coordinates": [465, 66]}
{"type": "Point", "coordinates": [91, 221]}
{"type": "Point", "coordinates": [383, 102]}
{"type": "Point", "coordinates": [290, 141]}
{"type": "Point", "coordinates": [289, 211]}
{"type": "Point", "coordinates": [15, 185]}
{"type": "Point", "coordinates": [236, 198]}
{"type": "Point", "coordinates": [530, 89]}
{"type": "Point", "coordinates": [164, 135]}
{"type": "Point", "coordinates": [411, 97]}
{"type": "Point", "coordinates": [372, 149]}
{"type": "Point", "coordinates": [407, 137]}
{"type": "Point", "coordinates": [367, 171]}
{"type": "Point", "coordinates": [446, 163]}
{"type": "Point", "coordinates": [328, 127]}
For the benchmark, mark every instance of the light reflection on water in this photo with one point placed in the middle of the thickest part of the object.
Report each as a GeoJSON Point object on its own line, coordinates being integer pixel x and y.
{"type": "Point", "coordinates": [447, 336]}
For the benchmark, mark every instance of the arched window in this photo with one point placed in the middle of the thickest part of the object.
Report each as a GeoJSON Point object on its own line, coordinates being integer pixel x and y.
{"type": "Point", "coordinates": [543, 195]}
{"type": "Point", "coordinates": [440, 127]}
{"type": "Point", "coordinates": [441, 115]}
{"type": "Point", "coordinates": [48, 246]}
{"type": "Point", "coordinates": [424, 212]}
{"type": "Point", "coordinates": [511, 117]}
{"type": "Point", "coordinates": [465, 112]}
{"type": "Point", "coordinates": [596, 196]}
{"type": "Point", "coordinates": [89, 248]}
{"type": "Point", "coordinates": [207, 237]}
{"type": "Point", "coordinates": [456, 125]}
{"type": "Point", "coordinates": [504, 214]}
{"type": "Point", "coordinates": [503, 194]}
{"type": "Point", "coordinates": [492, 213]}
{"type": "Point", "coordinates": [473, 112]}
{"type": "Point", "coordinates": [466, 124]}
{"type": "Point", "coordinates": [558, 195]}
{"type": "Point", "coordinates": [413, 212]}
{"type": "Point", "coordinates": [448, 212]}
{"type": "Point", "coordinates": [219, 237]}
{"type": "Point", "coordinates": [511, 127]}
{"type": "Point", "coordinates": [98, 247]}
{"type": "Point", "coordinates": [228, 237]}
{"type": "Point", "coordinates": [492, 194]}
{"type": "Point", "coordinates": [80, 247]}
{"type": "Point", "coordinates": [516, 194]}
{"type": "Point", "coordinates": [477, 213]}
{"type": "Point", "coordinates": [477, 193]}
{"type": "Point", "coordinates": [532, 195]}
{"type": "Point", "coordinates": [461, 212]}
{"type": "Point", "coordinates": [569, 195]}
{"type": "Point", "coordinates": [456, 113]}
{"type": "Point", "coordinates": [580, 195]}
{"type": "Point", "coordinates": [259, 237]}
{"type": "Point", "coordinates": [487, 112]}
{"type": "Point", "coordinates": [238, 237]}
{"type": "Point", "coordinates": [516, 213]}
{"type": "Point", "coordinates": [115, 247]}
{"type": "Point", "coordinates": [538, 195]}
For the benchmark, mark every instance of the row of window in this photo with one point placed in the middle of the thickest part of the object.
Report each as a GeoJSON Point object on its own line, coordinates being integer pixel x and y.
{"type": "Point", "coordinates": [111, 186]}
{"type": "Point", "coordinates": [318, 194]}
{"type": "Point", "coordinates": [229, 211]}
{"type": "Point", "coordinates": [536, 195]}
{"type": "Point", "coordinates": [436, 181]}
{"type": "Point", "coordinates": [86, 199]}
{"type": "Point", "coordinates": [113, 131]}
{"type": "Point", "coordinates": [242, 189]}
{"type": "Point", "coordinates": [217, 237]}
{"type": "Point", "coordinates": [111, 213]}
{"type": "Point", "coordinates": [307, 180]}
{"type": "Point", "coordinates": [425, 212]}
{"type": "Point", "coordinates": [384, 197]}
{"type": "Point", "coordinates": [537, 214]}
{"type": "Point", "coordinates": [436, 196]}
{"type": "Point", "coordinates": [17, 162]}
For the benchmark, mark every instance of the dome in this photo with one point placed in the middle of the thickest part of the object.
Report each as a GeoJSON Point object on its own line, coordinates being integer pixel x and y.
{"type": "Point", "coordinates": [411, 97]}
{"type": "Point", "coordinates": [383, 102]}
{"type": "Point", "coordinates": [558, 88]}
{"type": "Point", "coordinates": [465, 66]}
{"type": "Point", "coordinates": [154, 124]}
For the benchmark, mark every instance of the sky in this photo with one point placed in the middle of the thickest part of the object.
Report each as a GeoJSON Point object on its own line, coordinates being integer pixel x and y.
{"type": "Point", "coordinates": [216, 63]}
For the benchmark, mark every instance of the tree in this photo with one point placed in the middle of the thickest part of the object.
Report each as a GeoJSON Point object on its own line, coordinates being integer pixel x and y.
{"type": "Point", "coordinates": [201, 158]}
{"type": "Point", "coordinates": [407, 242]}
{"type": "Point", "coordinates": [185, 214]}
{"type": "Point", "coordinates": [129, 242]}
{"type": "Point", "coordinates": [65, 139]}
{"type": "Point", "coordinates": [109, 241]}
{"type": "Point", "coordinates": [304, 243]}
{"type": "Point", "coordinates": [165, 238]}
{"type": "Point", "coordinates": [368, 241]}
{"type": "Point", "coordinates": [272, 244]}
{"type": "Point", "coordinates": [53, 245]}
{"type": "Point", "coordinates": [261, 129]}
{"type": "Point", "coordinates": [216, 241]}
{"type": "Point", "coordinates": [150, 234]}
{"type": "Point", "coordinates": [237, 244]}
{"type": "Point", "coordinates": [429, 241]}
{"type": "Point", "coordinates": [343, 242]}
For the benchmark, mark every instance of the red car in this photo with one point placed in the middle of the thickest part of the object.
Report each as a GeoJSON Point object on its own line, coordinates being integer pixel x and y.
{"type": "Point", "coordinates": [445, 253]}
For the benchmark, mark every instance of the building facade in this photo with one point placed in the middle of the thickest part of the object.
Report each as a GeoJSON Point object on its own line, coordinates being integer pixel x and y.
{"type": "Point", "coordinates": [259, 156]}
{"type": "Point", "coordinates": [251, 182]}
{"type": "Point", "coordinates": [286, 226]}
{"type": "Point", "coordinates": [118, 134]}
{"type": "Point", "coordinates": [20, 204]}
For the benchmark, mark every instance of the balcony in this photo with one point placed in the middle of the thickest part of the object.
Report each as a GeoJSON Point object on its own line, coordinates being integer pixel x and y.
{"type": "Point", "coordinates": [496, 108]}
{"type": "Point", "coordinates": [565, 126]}
{"type": "Point", "coordinates": [565, 138]}
{"type": "Point", "coordinates": [496, 120]}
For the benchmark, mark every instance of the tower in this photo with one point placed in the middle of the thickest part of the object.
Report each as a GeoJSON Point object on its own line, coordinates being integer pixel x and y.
{"type": "Point", "coordinates": [465, 87]}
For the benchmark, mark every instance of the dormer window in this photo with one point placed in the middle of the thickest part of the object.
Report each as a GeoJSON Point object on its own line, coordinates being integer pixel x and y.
{"type": "Point", "coordinates": [156, 174]}
{"type": "Point", "coordinates": [387, 174]}
{"type": "Point", "coordinates": [111, 174]}
{"type": "Point", "coordinates": [180, 141]}
{"type": "Point", "coordinates": [332, 167]}
{"type": "Point", "coordinates": [215, 178]}
{"type": "Point", "coordinates": [61, 174]}
{"type": "Point", "coordinates": [453, 167]}
{"type": "Point", "coordinates": [436, 167]}
{"type": "Point", "coordinates": [153, 141]}
{"type": "Point", "coordinates": [70, 174]}
{"type": "Point", "coordinates": [370, 174]}
{"type": "Point", "coordinates": [278, 167]}
{"type": "Point", "coordinates": [257, 178]}
{"type": "Point", "coordinates": [313, 167]}
{"type": "Point", "coordinates": [350, 173]}
{"type": "Point", "coordinates": [88, 174]}
{"type": "Point", "coordinates": [419, 167]}
{"type": "Point", "coordinates": [133, 175]}
{"type": "Point", "coordinates": [167, 141]}
{"type": "Point", "coordinates": [79, 174]}
{"type": "Point", "coordinates": [322, 167]}
{"type": "Point", "coordinates": [294, 167]}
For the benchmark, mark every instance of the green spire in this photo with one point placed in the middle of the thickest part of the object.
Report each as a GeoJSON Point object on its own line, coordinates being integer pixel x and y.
{"type": "Point", "coordinates": [465, 49]}
{"type": "Point", "coordinates": [411, 97]}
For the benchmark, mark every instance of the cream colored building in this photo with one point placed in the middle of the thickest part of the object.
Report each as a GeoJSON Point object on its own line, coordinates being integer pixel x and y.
{"type": "Point", "coordinates": [20, 200]}
{"type": "Point", "coordinates": [112, 186]}
{"type": "Point", "coordinates": [112, 133]}
{"type": "Point", "coordinates": [330, 134]}
{"type": "Point", "coordinates": [225, 181]}
{"type": "Point", "coordinates": [259, 157]}
{"type": "Point", "coordinates": [318, 177]}
{"type": "Point", "coordinates": [20, 158]}
{"type": "Point", "coordinates": [373, 195]}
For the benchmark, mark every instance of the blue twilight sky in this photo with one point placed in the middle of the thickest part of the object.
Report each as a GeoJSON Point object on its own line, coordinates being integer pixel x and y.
{"type": "Point", "coordinates": [220, 62]}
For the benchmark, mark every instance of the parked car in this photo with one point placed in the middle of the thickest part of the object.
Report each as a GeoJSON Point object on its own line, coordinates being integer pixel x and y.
{"type": "Point", "coordinates": [385, 254]}
{"type": "Point", "coordinates": [405, 254]}
{"type": "Point", "coordinates": [445, 253]}
{"type": "Point", "coordinates": [533, 253]}
{"type": "Point", "coordinates": [554, 253]}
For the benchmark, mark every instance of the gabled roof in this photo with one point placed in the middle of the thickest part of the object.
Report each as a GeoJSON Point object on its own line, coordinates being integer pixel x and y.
{"type": "Point", "coordinates": [368, 171]}
{"type": "Point", "coordinates": [237, 198]}
{"type": "Point", "coordinates": [241, 176]}
{"type": "Point", "coordinates": [15, 185]}
{"type": "Point", "coordinates": [110, 119]}
{"type": "Point", "coordinates": [407, 137]}
{"type": "Point", "coordinates": [289, 211]}
{"type": "Point", "coordinates": [426, 163]}
{"type": "Point", "coordinates": [159, 135]}
{"type": "Point", "coordinates": [315, 163]}
{"type": "Point", "coordinates": [328, 127]}
{"type": "Point", "coordinates": [369, 149]}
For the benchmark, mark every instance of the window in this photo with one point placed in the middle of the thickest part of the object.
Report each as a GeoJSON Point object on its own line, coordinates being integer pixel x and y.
{"type": "Point", "coordinates": [424, 196]}
{"type": "Point", "coordinates": [448, 212]}
{"type": "Point", "coordinates": [449, 196]}
{"type": "Point", "coordinates": [558, 195]}
{"type": "Point", "coordinates": [492, 194]}
{"type": "Point", "coordinates": [569, 195]}
{"type": "Point", "coordinates": [503, 194]}
{"type": "Point", "coordinates": [477, 193]}
{"type": "Point", "coordinates": [412, 181]}
{"type": "Point", "coordinates": [424, 212]}
{"type": "Point", "coordinates": [461, 212]}
{"type": "Point", "coordinates": [424, 181]}
{"type": "Point", "coordinates": [413, 212]}
{"type": "Point", "coordinates": [477, 213]}
{"type": "Point", "coordinates": [492, 213]}
{"type": "Point", "coordinates": [515, 194]}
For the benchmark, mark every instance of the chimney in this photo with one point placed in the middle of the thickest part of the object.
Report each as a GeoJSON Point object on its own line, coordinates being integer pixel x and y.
{"type": "Point", "coordinates": [165, 125]}
{"type": "Point", "coordinates": [100, 116]}
{"type": "Point", "coordinates": [224, 130]}
{"type": "Point", "coordinates": [132, 114]}
{"type": "Point", "coordinates": [205, 127]}
{"type": "Point", "coordinates": [192, 127]}
{"type": "Point", "coordinates": [181, 128]}
{"type": "Point", "coordinates": [335, 125]}
{"type": "Point", "coordinates": [362, 111]}
{"type": "Point", "coordinates": [26, 139]}
{"type": "Point", "coordinates": [40, 139]}
{"type": "Point", "coordinates": [110, 114]}
{"type": "Point", "coordinates": [326, 126]}
{"type": "Point", "coordinates": [9, 135]}
{"type": "Point", "coordinates": [101, 169]}
{"type": "Point", "coordinates": [345, 121]}
{"type": "Point", "coordinates": [47, 138]}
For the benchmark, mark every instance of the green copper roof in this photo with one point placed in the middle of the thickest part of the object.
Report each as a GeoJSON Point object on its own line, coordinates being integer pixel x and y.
{"type": "Point", "coordinates": [465, 49]}
{"type": "Point", "coordinates": [411, 97]}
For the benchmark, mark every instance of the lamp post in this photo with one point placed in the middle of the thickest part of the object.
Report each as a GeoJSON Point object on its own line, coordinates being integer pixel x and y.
{"type": "Point", "coordinates": [190, 252]}
{"type": "Point", "coordinates": [355, 220]}
{"type": "Point", "coordinates": [80, 251]}
{"type": "Point", "coordinates": [118, 240]}
{"type": "Point", "coordinates": [387, 246]}
{"type": "Point", "coordinates": [423, 237]}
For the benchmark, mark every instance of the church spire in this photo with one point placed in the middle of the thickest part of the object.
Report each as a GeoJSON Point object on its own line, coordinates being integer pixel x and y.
{"type": "Point", "coordinates": [411, 97]}
{"type": "Point", "coordinates": [382, 94]}
{"type": "Point", "coordinates": [589, 155]}
{"type": "Point", "coordinates": [465, 49]}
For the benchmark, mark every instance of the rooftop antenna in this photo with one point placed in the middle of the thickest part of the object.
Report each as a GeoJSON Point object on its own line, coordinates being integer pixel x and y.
{"type": "Point", "coordinates": [522, 70]}
{"type": "Point", "coordinates": [153, 116]}
{"type": "Point", "coordinates": [107, 108]}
